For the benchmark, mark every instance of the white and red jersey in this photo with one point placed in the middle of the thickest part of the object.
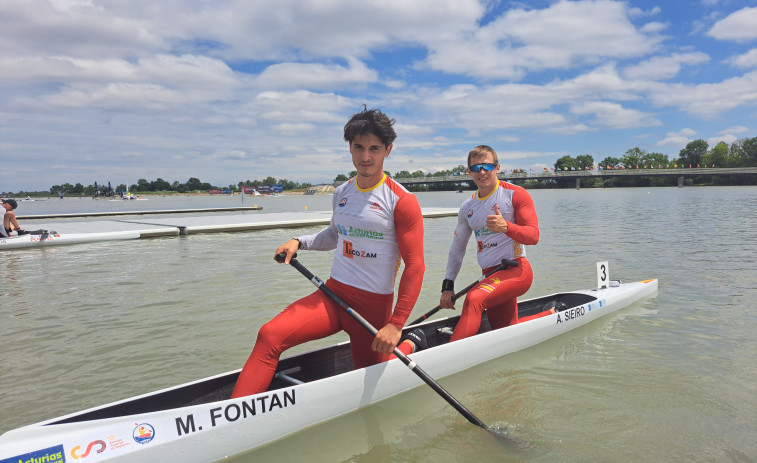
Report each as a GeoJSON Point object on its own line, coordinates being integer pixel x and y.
{"type": "Point", "coordinates": [516, 207]}
{"type": "Point", "coordinates": [373, 230]}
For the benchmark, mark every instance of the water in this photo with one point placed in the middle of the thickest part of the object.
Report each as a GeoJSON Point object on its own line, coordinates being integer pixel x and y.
{"type": "Point", "coordinates": [68, 205]}
{"type": "Point", "coordinates": [668, 379]}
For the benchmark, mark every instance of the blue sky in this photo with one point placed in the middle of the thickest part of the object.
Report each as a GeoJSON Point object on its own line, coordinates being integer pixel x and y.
{"type": "Point", "coordinates": [233, 90]}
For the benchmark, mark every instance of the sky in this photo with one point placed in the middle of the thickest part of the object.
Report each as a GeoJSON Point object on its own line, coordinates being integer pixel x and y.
{"type": "Point", "coordinates": [235, 90]}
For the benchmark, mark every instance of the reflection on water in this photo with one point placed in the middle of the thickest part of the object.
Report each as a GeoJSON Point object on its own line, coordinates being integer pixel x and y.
{"type": "Point", "coordinates": [668, 379]}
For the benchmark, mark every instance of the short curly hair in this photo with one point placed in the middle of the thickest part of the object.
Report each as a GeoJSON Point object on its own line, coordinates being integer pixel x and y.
{"type": "Point", "coordinates": [371, 121]}
{"type": "Point", "coordinates": [482, 150]}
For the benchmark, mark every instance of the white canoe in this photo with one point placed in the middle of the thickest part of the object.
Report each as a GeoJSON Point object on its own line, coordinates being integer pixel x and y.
{"type": "Point", "coordinates": [200, 423]}
{"type": "Point", "coordinates": [53, 239]}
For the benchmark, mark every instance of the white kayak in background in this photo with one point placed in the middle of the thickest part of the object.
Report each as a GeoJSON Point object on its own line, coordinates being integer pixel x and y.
{"type": "Point", "coordinates": [53, 238]}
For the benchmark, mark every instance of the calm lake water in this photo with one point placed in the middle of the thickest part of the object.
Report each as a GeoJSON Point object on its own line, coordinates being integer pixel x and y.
{"type": "Point", "coordinates": [672, 378]}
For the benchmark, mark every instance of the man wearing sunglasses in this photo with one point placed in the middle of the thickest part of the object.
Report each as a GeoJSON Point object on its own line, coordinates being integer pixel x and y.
{"type": "Point", "coordinates": [503, 219]}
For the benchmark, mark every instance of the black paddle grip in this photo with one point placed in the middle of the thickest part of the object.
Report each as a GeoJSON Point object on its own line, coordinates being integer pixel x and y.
{"type": "Point", "coordinates": [280, 257]}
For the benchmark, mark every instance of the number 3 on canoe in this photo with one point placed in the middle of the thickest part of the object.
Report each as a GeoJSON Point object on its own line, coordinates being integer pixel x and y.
{"type": "Point", "coordinates": [603, 275]}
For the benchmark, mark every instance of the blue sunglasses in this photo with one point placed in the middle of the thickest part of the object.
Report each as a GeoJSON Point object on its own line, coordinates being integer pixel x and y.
{"type": "Point", "coordinates": [486, 167]}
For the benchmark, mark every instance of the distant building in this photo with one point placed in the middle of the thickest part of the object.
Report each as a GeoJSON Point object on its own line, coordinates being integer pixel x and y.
{"type": "Point", "coordinates": [270, 189]}
{"type": "Point", "coordinates": [262, 189]}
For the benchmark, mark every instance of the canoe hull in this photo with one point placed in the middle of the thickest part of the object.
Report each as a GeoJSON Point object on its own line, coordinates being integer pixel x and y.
{"type": "Point", "coordinates": [214, 430]}
{"type": "Point", "coordinates": [54, 239]}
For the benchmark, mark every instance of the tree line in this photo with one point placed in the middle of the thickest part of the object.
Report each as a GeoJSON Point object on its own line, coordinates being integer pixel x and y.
{"type": "Point", "coordinates": [740, 153]}
{"type": "Point", "coordinates": [696, 154]}
{"type": "Point", "coordinates": [158, 185]}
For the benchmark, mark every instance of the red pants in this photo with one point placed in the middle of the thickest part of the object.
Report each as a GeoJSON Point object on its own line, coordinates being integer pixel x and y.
{"type": "Point", "coordinates": [314, 317]}
{"type": "Point", "coordinates": [499, 293]}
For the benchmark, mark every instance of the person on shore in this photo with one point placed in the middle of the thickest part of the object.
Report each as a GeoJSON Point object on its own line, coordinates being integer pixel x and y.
{"type": "Point", "coordinates": [375, 223]}
{"type": "Point", "coordinates": [503, 218]}
{"type": "Point", "coordinates": [10, 224]}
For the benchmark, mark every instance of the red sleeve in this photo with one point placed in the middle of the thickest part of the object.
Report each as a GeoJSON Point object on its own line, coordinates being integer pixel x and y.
{"type": "Point", "coordinates": [526, 228]}
{"type": "Point", "coordinates": [408, 221]}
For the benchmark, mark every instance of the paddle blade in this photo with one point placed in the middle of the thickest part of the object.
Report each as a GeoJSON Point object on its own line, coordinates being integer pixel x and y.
{"type": "Point", "coordinates": [502, 432]}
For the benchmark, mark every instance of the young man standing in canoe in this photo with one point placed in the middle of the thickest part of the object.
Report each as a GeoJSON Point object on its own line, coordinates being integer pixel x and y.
{"type": "Point", "coordinates": [10, 224]}
{"type": "Point", "coordinates": [503, 219]}
{"type": "Point", "coordinates": [376, 223]}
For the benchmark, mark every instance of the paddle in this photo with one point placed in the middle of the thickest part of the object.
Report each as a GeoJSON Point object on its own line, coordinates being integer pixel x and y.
{"type": "Point", "coordinates": [505, 263]}
{"type": "Point", "coordinates": [410, 364]}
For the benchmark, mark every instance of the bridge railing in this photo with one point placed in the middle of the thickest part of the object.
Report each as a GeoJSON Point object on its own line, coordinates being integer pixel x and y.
{"type": "Point", "coordinates": [591, 173]}
{"type": "Point", "coordinates": [683, 172]}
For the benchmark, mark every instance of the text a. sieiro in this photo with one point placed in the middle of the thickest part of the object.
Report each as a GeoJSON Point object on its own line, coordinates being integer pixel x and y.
{"type": "Point", "coordinates": [571, 314]}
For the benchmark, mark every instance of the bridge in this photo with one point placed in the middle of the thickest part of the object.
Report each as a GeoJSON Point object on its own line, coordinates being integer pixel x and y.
{"type": "Point", "coordinates": [578, 175]}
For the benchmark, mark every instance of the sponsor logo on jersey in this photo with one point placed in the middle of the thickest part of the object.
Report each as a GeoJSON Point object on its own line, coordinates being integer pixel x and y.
{"type": "Point", "coordinates": [518, 250]}
{"type": "Point", "coordinates": [359, 232]}
{"type": "Point", "coordinates": [342, 202]}
{"type": "Point", "coordinates": [350, 252]}
{"type": "Point", "coordinates": [482, 247]}
{"type": "Point", "coordinates": [483, 232]}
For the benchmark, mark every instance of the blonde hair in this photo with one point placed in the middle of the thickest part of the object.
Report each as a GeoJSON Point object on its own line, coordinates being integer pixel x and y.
{"type": "Point", "coordinates": [482, 150]}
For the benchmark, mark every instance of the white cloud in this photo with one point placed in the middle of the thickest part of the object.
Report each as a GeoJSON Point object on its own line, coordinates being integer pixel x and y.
{"type": "Point", "coordinates": [728, 139]}
{"type": "Point", "coordinates": [512, 155]}
{"type": "Point", "coordinates": [708, 99]}
{"type": "Point", "coordinates": [564, 36]}
{"type": "Point", "coordinates": [614, 115]}
{"type": "Point", "coordinates": [154, 81]}
{"type": "Point", "coordinates": [315, 75]}
{"type": "Point", "coordinates": [117, 96]}
{"type": "Point", "coordinates": [293, 29]}
{"type": "Point", "coordinates": [595, 95]}
{"type": "Point", "coordinates": [728, 135]}
{"type": "Point", "coordinates": [638, 12]}
{"type": "Point", "coordinates": [745, 60]}
{"type": "Point", "coordinates": [77, 30]}
{"type": "Point", "coordinates": [740, 26]}
{"type": "Point", "coordinates": [237, 154]}
{"type": "Point", "coordinates": [664, 67]}
{"type": "Point", "coordinates": [653, 27]}
{"type": "Point", "coordinates": [290, 128]}
{"type": "Point", "coordinates": [302, 105]}
{"type": "Point", "coordinates": [227, 88]}
{"type": "Point", "coordinates": [413, 129]}
{"type": "Point", "coordinates": [677, 139]}
{"type": "Point", "coordinates": [733, 130]}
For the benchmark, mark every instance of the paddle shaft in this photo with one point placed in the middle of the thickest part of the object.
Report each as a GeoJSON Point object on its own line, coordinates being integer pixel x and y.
{"type": "Point", "coordinates": [403, 358]}
{"type": "Point", "coordinates": [505, 263]}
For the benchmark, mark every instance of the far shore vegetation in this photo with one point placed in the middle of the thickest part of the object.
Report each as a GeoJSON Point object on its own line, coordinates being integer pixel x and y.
{"type": "Point", "coordinates": [696, 154]}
